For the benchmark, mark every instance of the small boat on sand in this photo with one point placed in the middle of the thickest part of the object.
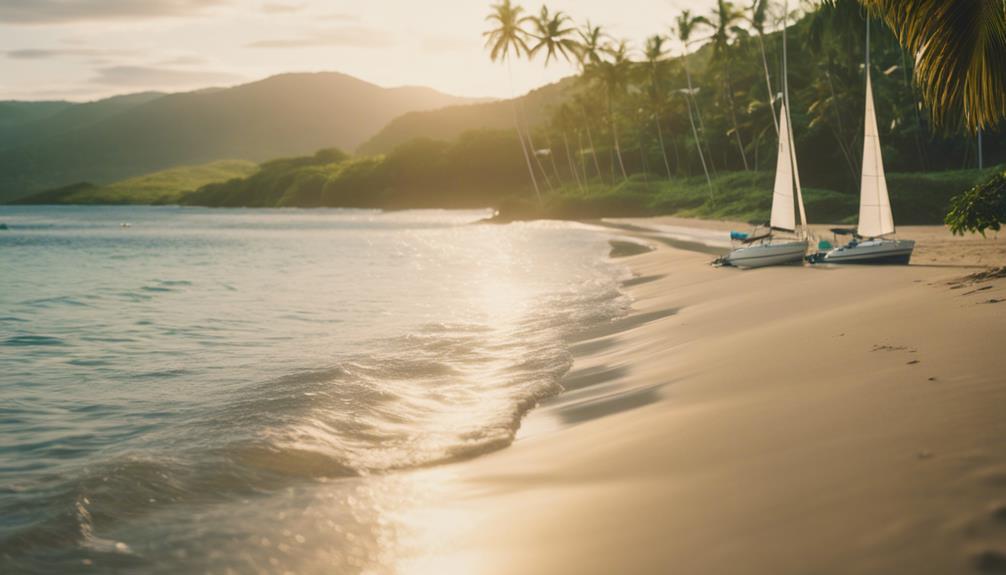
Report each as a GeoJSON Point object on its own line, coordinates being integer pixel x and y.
{"type": "Point", "coordinates": [781, 243]}
{"type": "Point", "coordinates": [871, 242]}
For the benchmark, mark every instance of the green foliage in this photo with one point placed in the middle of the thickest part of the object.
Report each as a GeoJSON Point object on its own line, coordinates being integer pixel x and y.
{"type": "Point", "coordinates": [159, 188]}
{"type": "Point", "coordinates": [960, 52]}
{"type": "Point", "coordinates": [980, 208]}
{"type": "Point", "coordinates": [744, 196]}
{"type": "Point", "coordinates": [477, 170]}
{"type": "Point", "coordinates": [919, 198]}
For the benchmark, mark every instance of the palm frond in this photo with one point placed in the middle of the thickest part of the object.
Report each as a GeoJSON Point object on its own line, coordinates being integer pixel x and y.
{"type": "Point", "coordinates": [959, 48]}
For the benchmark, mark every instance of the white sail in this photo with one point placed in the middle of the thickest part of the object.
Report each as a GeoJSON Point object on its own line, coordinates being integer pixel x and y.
{"type": "Point", "coordinates": [875, 217]}
{"type": "Point", "coordinates": [796, 177]}
{"type": "Point", "coordinates": [783, 214]}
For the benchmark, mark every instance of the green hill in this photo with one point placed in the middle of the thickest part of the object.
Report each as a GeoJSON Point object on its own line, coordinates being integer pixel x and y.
{"type": "Point", "coordinates": [450, 122]}
{"type": "Point", "coordinates": [62, 117]}
{"type": "Point", "coordinates": [16, 113]}
{"type": "Point", "coordinates": [164, 187]}
{"type": "Point", "coordinates": [279, 116]}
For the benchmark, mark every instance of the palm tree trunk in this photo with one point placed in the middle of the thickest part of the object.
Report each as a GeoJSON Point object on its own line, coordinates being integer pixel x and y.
{"type": "Point", "coordinates": [849, 157]}
{"type": "Point", "coordinates": [579, 157]}
{"type": "Point", "coordinates": [593, 151]}
{"type": "Point", "coordinates": [677, 156]}
{"type": "Point", "coordinates": [618, 149]}
{"type": "Point", "coordinates": [728, 85]}
{"type": "Point", "coordinates": [537, 160]}
{"type": "Point", "coordinates": [551, 157]}
{"type": "Point", "coordinates": [572, 165]}
{"type": "Point", "coordinates": [614, 135]}
{"type": "Point", "coordinates": [920, 147]}
{"type": "Point", "coordinates": [642, 158]}
{"type": "Point", "coordinates": [698, 114]}
{"type": "Point", "coordinates": [768, 83]}
{"type": "Point", "coordinates": [691, 120]}
{"type": "Point", "coordinates": [981, 154]}
{"type": "Point", "coordinates": [698, 146]}
{"type": "Point", "coordinates": [663, 148]}
{"type": "Point", "coordinates": [523, 146]}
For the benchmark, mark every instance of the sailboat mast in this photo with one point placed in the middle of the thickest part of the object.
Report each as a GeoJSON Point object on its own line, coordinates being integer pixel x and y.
{"type": "Point", "coordinates": [792, 140]}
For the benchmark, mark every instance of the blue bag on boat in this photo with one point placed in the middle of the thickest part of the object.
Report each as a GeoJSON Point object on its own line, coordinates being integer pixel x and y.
{"type": "Point", "coordinates": [739, 236]}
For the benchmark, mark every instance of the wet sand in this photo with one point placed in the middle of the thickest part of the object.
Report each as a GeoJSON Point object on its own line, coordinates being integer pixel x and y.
{"type": "Point", "coordinates": [785, 420]}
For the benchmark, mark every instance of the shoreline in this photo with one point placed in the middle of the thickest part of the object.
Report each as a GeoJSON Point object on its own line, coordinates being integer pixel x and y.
{"type": "Point", "coordinates": [785, 420]}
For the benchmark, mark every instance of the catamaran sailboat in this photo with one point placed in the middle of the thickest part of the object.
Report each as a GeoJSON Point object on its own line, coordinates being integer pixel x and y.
{"type": "Point", "coordinates": [870, 243]}
{"type": "Point", "coordinates": [760, 250]}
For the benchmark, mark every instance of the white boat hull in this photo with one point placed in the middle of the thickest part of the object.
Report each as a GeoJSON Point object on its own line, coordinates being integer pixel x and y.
{"type": "Point", "coordinates": [872, 252]}
{"type": "Point", "coordinates": [767, 254]}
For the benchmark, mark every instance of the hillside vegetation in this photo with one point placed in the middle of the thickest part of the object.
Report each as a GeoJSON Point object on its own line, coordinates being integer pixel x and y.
{"type": "Point", "coordinates": [449, 123]}
{"type": "Point", "coordinates": [159, 188]}
{"type": "Point", "coordinates": [483, 169]}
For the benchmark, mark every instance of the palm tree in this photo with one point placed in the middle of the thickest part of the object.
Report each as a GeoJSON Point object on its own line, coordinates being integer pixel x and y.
{"type": "Point", "coordinates": [585, 107]}
{"type": "Point", "coordinates": [591, 44]}
{"type": "Point", "coordinates": [725, 20]}
{"type": "Point", "coordinates": [591, 53]}
{"type": "Point", "coordinates": [553, 34]}
{"type": "Point", "coordinates": [508, 36]}
{"type": "Point", "coordinates": [655, 53]}
{"type": "Point", "coordinates": [959, 50]}
{"type": "Point", "coordinates": [563, 121]}
{"type": "Point", "coordinates": [686, 24]}
{"type": "Point", "coordinates": [613, 74]}
{"type": "Point", "coordinates": [757, 19]}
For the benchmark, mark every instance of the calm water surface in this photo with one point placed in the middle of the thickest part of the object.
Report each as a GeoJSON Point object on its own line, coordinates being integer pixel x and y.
{"type": "Point", "coordinates": [214, 390]}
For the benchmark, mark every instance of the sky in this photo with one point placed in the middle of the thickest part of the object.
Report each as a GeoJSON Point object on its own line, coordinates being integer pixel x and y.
{"type": "Point", "coordinates": [83, 50]}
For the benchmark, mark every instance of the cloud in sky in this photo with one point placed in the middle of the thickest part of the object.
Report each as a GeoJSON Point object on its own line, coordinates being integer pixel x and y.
{"type": "Point", "coordinates": [34, 12]}
{"type": "Point", "coordinates": [46, 54]}
{"type": "Point", "coordinates": [43, 43]}
{"type": "Point", "coordinates": [279, 8]}
{"type": "Point", "coordinates": [349, 36]}
{"type": "Point", "coordinates": [155, 77]}
{"type": "Point", "coordinates": [445, 43]}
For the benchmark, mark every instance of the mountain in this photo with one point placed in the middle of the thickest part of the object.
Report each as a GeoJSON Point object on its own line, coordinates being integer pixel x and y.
{"type": "Point", "coordinates": [14, 113]}
{"type": "Point", "coordinates": [65, 117]}
{"type": "Point", "coordinates": [448, 123]}
{"type": "Point", "coordinates": [290, 114]}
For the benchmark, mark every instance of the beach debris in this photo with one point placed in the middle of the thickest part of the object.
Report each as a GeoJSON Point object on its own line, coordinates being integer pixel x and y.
{"type": "Point", "coordinates": [888, 348]}
{"type": "Point", "coordinates": [924, 454]}
{"type": "Point", "coordinates": [991, 274]}
{"type": "Point", "coordinates": [974, 291]}
{"type": "Point", "coordinates": [932, 379]}
{"type": "Point", "coordinates": [994, 300]}
{"type": "Point", "coordinates": [914, 362]}
{"type": "Point", "coordinates": [978, 277]}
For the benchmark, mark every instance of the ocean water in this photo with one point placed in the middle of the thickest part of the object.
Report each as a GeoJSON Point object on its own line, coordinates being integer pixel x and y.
{"type": "Point", "coordinates": [190, 390]}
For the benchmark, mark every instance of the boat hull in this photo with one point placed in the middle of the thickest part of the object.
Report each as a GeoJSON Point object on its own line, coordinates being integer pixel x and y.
{"type": "Point", "coordinates": [872, 252]}
{"type": "Point", "coordinates": [767, 254]}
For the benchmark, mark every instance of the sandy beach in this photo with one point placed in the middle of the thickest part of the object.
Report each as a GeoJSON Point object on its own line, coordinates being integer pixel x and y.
{"type": "Point", "coordinates": [785, 420]}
